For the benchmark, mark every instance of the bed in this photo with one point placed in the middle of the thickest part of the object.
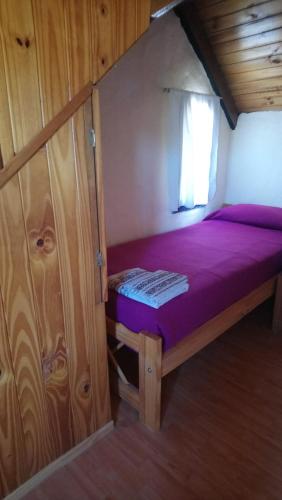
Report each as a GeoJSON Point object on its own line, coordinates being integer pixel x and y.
{"type": "Point", "coordinates": [233, 260]}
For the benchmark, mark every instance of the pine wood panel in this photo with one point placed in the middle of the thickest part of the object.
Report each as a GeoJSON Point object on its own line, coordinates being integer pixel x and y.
{"type": "Point", "coordinates": [250, 42]}
{"type": "Point", "coordinates": [268, 85]}
{"type": "Point", "coordinates": [253, 66]}
{"type": "Point", "coordinates": [247, 41]}
{"type": "Point", "coordinates": [104, 23]}
{"type": "Point", "coordinates": [251, 76]}
{"type": "Point", "coordinates": [12, 450]}
{"type": "Point", "coordinates": [56, 331]}
{"type": "Point", "coordinates": [247, 30]}
{"type": "Point", "coordinates": [22, 328]}
{"type": "Point", "coordinates": [81, 44]}
{"type": "Point", "coordinates": [143, 16]}
{"type": "Point", "coordinates": [67, 210]}
{"type": "Point", "coordinates": [39, 221]}
{"type": "Point", "coordinates": [210, 8]}
{"type": "Point", "coordinates": [265, 51]}
{"type": "Point", "coordinates": [260, 101]}
{"type": "Point", "coordinates": [6, 138]}
{"type": "Point", "coordinates": [250, 14]}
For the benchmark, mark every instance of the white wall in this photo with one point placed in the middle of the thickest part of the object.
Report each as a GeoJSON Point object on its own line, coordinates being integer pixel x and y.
{"type": "Point", "coordinates": [134, 111]}
{"type": "Point", "coordinates": [255, 164]}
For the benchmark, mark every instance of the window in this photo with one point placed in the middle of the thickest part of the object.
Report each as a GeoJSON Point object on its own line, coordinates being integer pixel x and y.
{"type": "Point", "coordinates": [199, 128]}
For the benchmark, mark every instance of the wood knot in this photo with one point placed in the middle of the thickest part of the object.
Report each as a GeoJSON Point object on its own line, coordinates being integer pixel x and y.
{"type": "Point", "coordinates": [23, 42]}
{"type": "Point", "coordinates": [104, 10]}
{"type": "Point", "coordinates": [44, 242]}
{"type": "Point", "coordinates": [40, 242]}
{"type": "Point", "coordinates": [86, 388]}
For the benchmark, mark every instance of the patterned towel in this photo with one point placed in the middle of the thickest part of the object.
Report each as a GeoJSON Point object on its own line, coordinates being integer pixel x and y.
{"type": "Point", "coordinates": [151, 288]}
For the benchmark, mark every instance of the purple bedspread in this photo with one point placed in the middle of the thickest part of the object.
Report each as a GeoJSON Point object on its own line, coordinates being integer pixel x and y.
{"type": "Point", "coordinates": [224, 260]}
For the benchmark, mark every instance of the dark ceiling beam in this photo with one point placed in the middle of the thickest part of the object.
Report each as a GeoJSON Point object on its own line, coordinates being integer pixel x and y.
{"type": "Point", "coordinates": [195, 32]}
{"type": "Point", "coordinates": [161, 7]}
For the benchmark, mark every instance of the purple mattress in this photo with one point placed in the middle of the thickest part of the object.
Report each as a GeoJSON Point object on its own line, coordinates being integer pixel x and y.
{"type": "Point", "coordinates": [225, 257]}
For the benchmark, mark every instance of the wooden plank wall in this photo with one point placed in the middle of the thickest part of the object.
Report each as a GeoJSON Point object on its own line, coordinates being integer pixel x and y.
{"type": "Point", "coordinates": [53, 369]}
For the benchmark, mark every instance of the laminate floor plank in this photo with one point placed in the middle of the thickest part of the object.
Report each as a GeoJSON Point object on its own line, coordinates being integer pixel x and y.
{"type": "Point", "coordinates": [221, 436]}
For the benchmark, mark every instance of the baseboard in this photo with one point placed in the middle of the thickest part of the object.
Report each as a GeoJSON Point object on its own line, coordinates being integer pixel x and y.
{"type": "Point", "coordinates": [34, 481]}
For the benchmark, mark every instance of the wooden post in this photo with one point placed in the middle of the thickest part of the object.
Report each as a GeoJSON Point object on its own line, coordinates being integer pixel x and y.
{"type": "Point", "coordinates": [150, 366]}
{"type": "Point", "coordinates": [277, 313]}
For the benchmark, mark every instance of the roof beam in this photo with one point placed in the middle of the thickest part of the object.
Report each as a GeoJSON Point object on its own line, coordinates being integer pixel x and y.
{"type": "Point", "coordinates": [194, 30]}
{"type": "Point", "coordinates": [161, 7]}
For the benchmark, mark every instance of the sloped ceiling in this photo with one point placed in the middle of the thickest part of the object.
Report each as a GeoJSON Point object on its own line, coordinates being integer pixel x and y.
{"type": "Point", "coordinates": [240, 45]}
{"type": "Point", "coordinates": [246, 38]}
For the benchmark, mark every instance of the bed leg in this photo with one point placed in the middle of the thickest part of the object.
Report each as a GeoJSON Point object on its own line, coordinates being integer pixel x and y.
{"type": "Point", "coordinates": [150, 380]}
{"type": "Point", "coordinates": [277, 313]}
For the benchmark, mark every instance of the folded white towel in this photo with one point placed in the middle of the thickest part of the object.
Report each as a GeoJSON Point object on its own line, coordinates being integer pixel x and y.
{"type": "Point", "coordinates": [151, 288]}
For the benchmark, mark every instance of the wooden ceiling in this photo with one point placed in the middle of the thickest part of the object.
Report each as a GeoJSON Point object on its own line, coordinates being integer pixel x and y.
{"type": "Point", "coordinates": [240, 45]}
{"type": "Point", "coordinates": [246, 38]}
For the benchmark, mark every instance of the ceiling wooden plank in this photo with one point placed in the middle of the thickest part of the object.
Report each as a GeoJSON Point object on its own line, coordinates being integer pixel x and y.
{"type": "Point", "coordinates": [265, 51]}
{"type": "Point", "coordinates": [253, 65]}
{"type": "Point", "coordinates": [252, 76]}
{"type": "Point", "coordinates": [259, 100]}
{"type": "Point", "coordinates": [267, 85]}
{"type": "Point", "coordinates": [193, 28]}
{"type": "Point", "coordinates": [247, 30]}
{"type": "Point", "coordinates": [251, 14]}
{"type": "Point", "coordinates": [250, 42]}
{"type": "Point", "coordinates": [274, 104]}
{"type": "Point", "coordinates": [208, 9]}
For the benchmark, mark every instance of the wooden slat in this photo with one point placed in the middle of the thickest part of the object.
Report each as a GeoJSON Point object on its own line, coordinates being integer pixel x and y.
{"type": "Point", "coordinates": [81, 42]}
{"type": "Point", "coordinates": [123, 334]}
{"type": "Point", "coordinates": [209, 8]}
{"type": "Point", "coordinates": [13, 469]}
{"type": "Point", "coordinates": [254, 65]}
{"type": "Point", "coordinates": [265, 51]}
{"type": "Point", "coordinates": [67, 210]}
{"type": "Point", "coordinates": [249, 42]}
{"type": "Point", "coordinates": [127, 392]}
{"type": "Point", "coordinates": [247, 30]}
{"type": "Point", "coordinates": [250, 14]}
{"type": "Point", "coordinates": [91, 238]}
{"type": "Point", "coordinates": [100, 369]}
{"type": "Point", "coordinates": [143, 16]}
{"type": "Point", "coordinates": [6, 138]}
{"type": "Point", "coordinates": [14, 165]}
{"type": "Point", "coordinates": [23, 329]}
{"type": "Point", "coordinates": [253, 76]}
{"type": "Point", "coordinates": [193, 28]}
{"type": "Point", "coordinates": [259, 101]}
{"type": "Point", "coordinates": [104, 25]}
{"type": "Point", "coordinates": [267, 85]}
{"type": "Point", "coordinates": [277, 315]}
{"type": "Point", "coordinates": [44, 264]}
{"type": "Point", "coordinates": [206, 333]}
{"type": "Point", "coordinates": [150, 374]}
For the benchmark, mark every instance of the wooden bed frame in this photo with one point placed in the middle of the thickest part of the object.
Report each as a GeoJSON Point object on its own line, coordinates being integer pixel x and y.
{"type": "Point", "coordinates": [154, 364]}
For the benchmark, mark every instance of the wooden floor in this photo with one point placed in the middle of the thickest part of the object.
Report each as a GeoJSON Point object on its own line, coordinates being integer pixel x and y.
{"type": "Point", "coordinates": [221, 434]}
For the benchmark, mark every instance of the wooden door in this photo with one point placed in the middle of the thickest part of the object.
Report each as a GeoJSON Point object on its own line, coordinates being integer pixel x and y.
{"type": "Point", "coordinates": [53, 359]}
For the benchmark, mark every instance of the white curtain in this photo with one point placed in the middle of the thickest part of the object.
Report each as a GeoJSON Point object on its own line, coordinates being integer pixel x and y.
{"type": "Point", "coordinates": [199, 117]}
